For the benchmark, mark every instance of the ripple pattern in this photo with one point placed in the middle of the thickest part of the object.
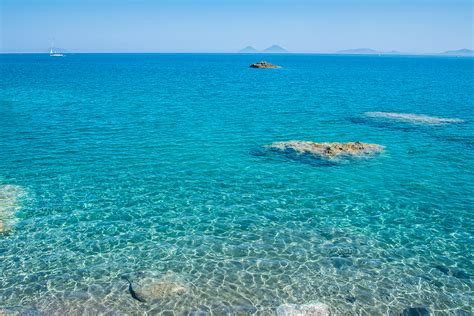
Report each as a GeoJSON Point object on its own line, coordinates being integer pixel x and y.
{"type": "Point", "coordinates": [137, 166]}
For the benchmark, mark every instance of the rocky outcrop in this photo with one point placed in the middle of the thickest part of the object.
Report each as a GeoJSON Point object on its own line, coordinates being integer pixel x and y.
{"type": "Point", "coordinates": [263, 64]}
{"type": "Point", "coordinates": [326, 150]}
{"type": "Point", "coordinates": [413, 118]}
{"type": "Point", "coordinates": [317, 309]}
{"type": "Point", "coordinates": [153, 288]}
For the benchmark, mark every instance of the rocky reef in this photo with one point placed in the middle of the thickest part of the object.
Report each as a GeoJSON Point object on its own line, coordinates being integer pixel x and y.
{"type": "Point", "coordinates": [263, 64]}
{"type": "Point", "coordinates": [413, 118]}
{"type": "Point", "coordinates": [316, 309]}
{"type": "Point", "coordinates": [150, 288]}
{"type": "Point", "coordinates": [328, 151]}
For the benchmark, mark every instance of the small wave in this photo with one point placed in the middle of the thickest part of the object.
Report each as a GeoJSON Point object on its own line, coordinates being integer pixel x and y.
{"type": "Point", "coordinates": [10, 196]}
{"type": "Point", "coordinates": [414, 118]}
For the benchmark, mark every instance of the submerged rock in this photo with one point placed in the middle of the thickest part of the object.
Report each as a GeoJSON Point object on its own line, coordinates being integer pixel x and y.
{"type": "Point", "coordinates": [3, 229]}
{"type": "Point", "coordinates": [9, 205]}
{"type": "Point", "coordinates": [413, 118]}
{"type": "Point", "coordinates": [153, 288]}
{"type": "Point", "coordinates": [222, 309]}
{"type": "Point", "coordinates": [316, 309]}
{"type": "Point", "coordinates": [263, 64]}
{"type": "Point", "coordinates": [18, 311]}
{"type": "Point", "coordinates": [327, 150]}
{"type": "Point", "coordinates": [351, 299]}
{"type": "Point", "coordinates": [415, 311]}
{"type": "Point", "coordinates": [453, 272]}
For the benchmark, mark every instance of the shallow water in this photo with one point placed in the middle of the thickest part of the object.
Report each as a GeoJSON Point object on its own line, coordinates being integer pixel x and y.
{"type": "Point", "coordinates": [145, 164]}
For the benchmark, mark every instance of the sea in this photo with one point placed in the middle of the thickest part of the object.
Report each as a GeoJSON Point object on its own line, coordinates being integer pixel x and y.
{"type": "Point", "coordinates": [119, 168]}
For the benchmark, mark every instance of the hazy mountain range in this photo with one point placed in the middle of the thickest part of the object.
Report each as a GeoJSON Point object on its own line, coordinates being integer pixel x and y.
{"type": "Point", "coordinates": [460, 52]}
{"type": "Point", "coordinates": [271, 49]}
{"type": "Point", "coordinates": [369, 51]}
{"type": "Point", "coordinates": [360, 51]}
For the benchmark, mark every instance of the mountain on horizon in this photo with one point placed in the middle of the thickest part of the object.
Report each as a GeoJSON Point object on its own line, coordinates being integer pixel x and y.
{"type": "Point", "coordinates": [272, 49]}
{"type": "Point", "coordinates": [460, 52]}
{"type": "Point", "coordinates": [248, 50]}
{"type": "Point", "coordinates": [275, 49]}
{"type": "Point", "coordinates": [362, 51]}
{"type": "Point", "coordinates": [393, 52]}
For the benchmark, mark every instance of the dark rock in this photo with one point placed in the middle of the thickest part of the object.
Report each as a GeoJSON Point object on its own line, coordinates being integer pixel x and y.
{"type": "Point", "coordinates": [263, 64]}
{"type": "Point", "coordinates": [415, 311]}
{"type": "Point", "coordinates": [157, 287]}
{"type": "Point", "coordinates": [453, 272]}
{"type": "Point", "coordinates": [351, 299]}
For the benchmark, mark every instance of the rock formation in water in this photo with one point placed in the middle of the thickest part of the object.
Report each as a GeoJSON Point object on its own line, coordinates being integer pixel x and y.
{"type": "Point", "coordinates": [317, 309]}
{"type": "Point", "coordinates": [263, 64]}
{"type": "Point", "coordinates": [153, 288]}
{"type": "Point", "coordinates": [327, 150]}
{"type": "Point", "coordinates": [413, 118]}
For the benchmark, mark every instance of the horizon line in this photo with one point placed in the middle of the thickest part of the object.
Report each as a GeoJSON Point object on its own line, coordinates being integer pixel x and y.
{"type": "Point", "coordinates": [342, 52]}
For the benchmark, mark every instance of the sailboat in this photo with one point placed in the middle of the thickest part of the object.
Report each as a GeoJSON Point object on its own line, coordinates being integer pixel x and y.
{"type": "Point", "coordinates": [52, 53]}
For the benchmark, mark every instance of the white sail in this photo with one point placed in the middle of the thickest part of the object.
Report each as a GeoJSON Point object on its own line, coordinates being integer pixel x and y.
{"type": "Point", "coordinates": [52, 53]}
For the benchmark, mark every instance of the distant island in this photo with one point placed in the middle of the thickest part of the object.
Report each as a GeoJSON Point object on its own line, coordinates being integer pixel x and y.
{"type": "Point", "coordinates": [269, 50]}
{"type": "Point", "coordinates": [460, 52]}
{"type": "Point", "coordinates": [361, 51]}
{"type": "Point", "coordinates": [394, 52]}
{"type": "Point", "coordinates": [248, 50]}
{"type": "Point", "coordinates": [370, 51]}
{"type": "Point", "coordinates": [275, 49]}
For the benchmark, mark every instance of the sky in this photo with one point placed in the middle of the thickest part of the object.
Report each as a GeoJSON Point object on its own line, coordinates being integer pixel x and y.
{"type": "Point", "coordinates": [413, 26]}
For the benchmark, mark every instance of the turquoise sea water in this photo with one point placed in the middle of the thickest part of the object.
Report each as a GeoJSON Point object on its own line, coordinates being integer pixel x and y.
{"type": "Point", "coordinates": [116, 165]}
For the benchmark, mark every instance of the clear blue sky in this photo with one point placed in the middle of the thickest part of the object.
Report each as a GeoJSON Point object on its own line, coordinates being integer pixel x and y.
{"type": "Point", "coordinates": [228, 25]}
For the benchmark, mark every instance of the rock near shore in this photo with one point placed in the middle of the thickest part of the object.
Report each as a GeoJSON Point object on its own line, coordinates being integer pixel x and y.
{"type": "Point", "coordinates": [317, 309]}
{"type": "Point", "coordinates": [263, 64]}
{"type": "Point", "coordinates": [326, 150]}
{"type": "Point", "coordinates": [158, 288]}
